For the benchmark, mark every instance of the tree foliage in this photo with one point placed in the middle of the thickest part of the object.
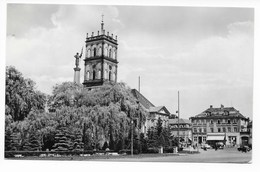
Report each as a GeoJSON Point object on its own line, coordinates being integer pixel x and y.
{"type": "Point", "coordinates": [78, 119]}
{"type": "Point", "coordinates": [20, 95]}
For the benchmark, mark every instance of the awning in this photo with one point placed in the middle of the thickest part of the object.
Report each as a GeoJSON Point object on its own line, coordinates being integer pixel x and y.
{"type": "Point", "coordinates": [215, 138]}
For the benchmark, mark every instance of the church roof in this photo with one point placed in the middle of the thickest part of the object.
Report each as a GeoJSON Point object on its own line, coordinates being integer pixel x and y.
{"type": "Point", "coordinates": [143, 101]}
{"type": "Point", "coordinates": [159, 109]}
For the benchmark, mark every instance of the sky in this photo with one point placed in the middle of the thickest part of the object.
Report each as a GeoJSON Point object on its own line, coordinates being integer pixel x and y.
{"type": "Point", "coordinates": [205, 53]}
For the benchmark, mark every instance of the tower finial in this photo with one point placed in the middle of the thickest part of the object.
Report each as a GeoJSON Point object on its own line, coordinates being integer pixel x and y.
{"type": "Point", "coordinates": [102, 24]}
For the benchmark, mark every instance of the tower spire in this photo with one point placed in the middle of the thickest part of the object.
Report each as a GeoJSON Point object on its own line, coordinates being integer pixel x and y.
{"type": "Point", "coordinates": [102, 24]}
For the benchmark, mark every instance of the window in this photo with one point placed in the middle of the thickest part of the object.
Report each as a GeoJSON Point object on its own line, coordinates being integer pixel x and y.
{"type": "Point", "coordinates": [88, 54]}
{"type": "Point", "coordinates": [109, 76]}
{"type": "Point", "coordinates": [218, 121]}
{"type": "Point", "coordinates": [224, 129]}
{"type": "Point", "coordinates": [200, 130]}
{"type": "Point", "coordinates": [88, 75]}
{"type": "Point", "coordinates": [219, 130]}
{"type": "Point", "coordinates": [228, 121]}
{"type": "Point", "coordinates": [212, 130]}
{"type": "Point", "coordinates": [94, 52]}
{"type": "Point", "coordinates": [94, 75]}
{"type": "Point", "coordinates": [100, 51]}
{"type": "Point", "coordinates": [195, 139]}
{"type": "Point", "coordinates": [99, 74]}
{"type": "Point", "coordinates": [195, 130]}
{"type": "Point", "coordinates": [204, 139]}
{"type": "Point", "coordinates": [234, 121]}
{"type": "Point", "coordinates": [211, 121]}
{"type": "Point", "coordinates": [110, 53]}
{"type": "Point", "coordinates": [235, 129]}
{"type": "Point", "coordinates": [204, 130]}
{"type": "Point", "coordinates": [229, 129]}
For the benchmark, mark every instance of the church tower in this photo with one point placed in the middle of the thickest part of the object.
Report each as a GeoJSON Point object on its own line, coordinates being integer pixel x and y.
{"type": "Point", "coordinates": [101, 58]}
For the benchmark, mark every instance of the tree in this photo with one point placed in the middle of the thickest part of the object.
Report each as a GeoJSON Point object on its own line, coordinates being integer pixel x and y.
{"type": "Point", "coordinates": [21, 96]}
{"type": "Point", "coordinates": [63, 141]}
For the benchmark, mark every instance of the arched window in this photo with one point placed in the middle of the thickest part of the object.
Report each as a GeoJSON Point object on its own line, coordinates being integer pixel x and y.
{"type": "Point", "coordinates": [88, 53]}
{"type": "Point", "coordinates": [88, 75]}
{"type": "Point", "coordinates": [110, 53]}
{"type": "Point", "coordinates": [113, 77]}
{"type": "Point", "coordinates": [109, 76]}
{"type": "Point", "coordinates": [94, 74]}
{"type": "Point", "coordinates": [100, 51]}
{"type": "Point", "coordinates": [94, 52]}
{"type": "Point", "coordinates": [99, 74]}
{"type": "Point", "coordinates": [114, 54]}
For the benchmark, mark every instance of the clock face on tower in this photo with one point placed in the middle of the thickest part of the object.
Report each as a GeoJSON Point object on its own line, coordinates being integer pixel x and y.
{"type": "Point", "coordinates": [100, 59]}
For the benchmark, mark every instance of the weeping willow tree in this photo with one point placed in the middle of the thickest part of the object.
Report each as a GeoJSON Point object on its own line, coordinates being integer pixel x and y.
{"type": "Point", "coordinates": [103, 115]}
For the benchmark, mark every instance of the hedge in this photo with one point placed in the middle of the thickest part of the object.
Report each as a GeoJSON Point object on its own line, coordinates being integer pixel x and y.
{"type": "Point", "coordinates": [9, 154]}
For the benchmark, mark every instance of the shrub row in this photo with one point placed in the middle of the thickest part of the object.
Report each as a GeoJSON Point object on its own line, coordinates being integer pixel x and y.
{"type": "Point", "coordinates": [9, 154]}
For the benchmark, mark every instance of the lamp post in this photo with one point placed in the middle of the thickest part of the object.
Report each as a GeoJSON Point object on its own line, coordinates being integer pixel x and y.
{"type": "Point", "coordinates": [132, 135]}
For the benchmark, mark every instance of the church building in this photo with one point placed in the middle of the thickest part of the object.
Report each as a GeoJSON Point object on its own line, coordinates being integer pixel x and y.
{"type": "Point", "coordinates": [100, 59]}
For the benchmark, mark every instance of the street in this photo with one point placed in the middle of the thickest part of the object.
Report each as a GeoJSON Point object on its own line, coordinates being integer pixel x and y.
{"type": "Point", "coordinates": [227, 155]}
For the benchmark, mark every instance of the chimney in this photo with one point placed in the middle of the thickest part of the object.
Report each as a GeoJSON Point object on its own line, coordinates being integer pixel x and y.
{"type": "Point", "coordinates": [211, 106]}
{"type": "Point", "coordinates": [222, 106]}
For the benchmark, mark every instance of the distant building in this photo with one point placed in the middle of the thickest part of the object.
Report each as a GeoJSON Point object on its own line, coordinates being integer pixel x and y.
{"type": "Point", "coordinates": [155, 112]}
{"type": "Point", "coordinates": [185, 130]}
{"type": "Point", "coordinates": [224, 124]}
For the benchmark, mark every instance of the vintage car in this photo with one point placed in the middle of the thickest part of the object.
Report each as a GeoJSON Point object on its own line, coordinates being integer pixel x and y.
{"type": "Point", "coordinates": [243, 148]}
{"type": "Point", "coordinates": [205, 146]}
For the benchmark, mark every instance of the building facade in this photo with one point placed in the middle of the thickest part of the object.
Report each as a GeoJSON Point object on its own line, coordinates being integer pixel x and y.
{"type": "Point", "coordinates": [100, 59]}
{"type": "Point", "coordinates": [223, 124]}
{"type": "Point", "coordinates": [184, 131]}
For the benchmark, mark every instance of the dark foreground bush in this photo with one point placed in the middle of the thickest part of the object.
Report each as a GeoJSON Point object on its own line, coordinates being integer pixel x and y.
{"type": "Point", "coordinates": [168, 149]}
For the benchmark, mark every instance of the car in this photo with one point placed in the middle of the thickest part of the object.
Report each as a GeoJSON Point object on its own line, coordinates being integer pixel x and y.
{"type": "Point", "coordinates": [243, 148]}
{"type": "Point", "coordinates": [205, 146]}
{"type": "Point", "coordinates": [220, 145]}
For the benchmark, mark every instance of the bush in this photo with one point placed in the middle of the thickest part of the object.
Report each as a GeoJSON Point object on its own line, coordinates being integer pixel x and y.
{"type": "Point", "coordinates": [9, 154]}
{"type": "Point", "coordinates": [168, 149]}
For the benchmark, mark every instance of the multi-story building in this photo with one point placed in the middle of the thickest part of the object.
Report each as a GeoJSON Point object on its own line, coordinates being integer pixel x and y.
{"type": "Point", "coordinates": [184, 130]}
{"type": "Point", "coordinates": [223, 124]}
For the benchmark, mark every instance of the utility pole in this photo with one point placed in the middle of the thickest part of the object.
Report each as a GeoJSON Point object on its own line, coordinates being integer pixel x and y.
{"type": "Point", "coordinates": [139, 80]}
{"type": "Point", "coordinates": [178, 119]}
{"type": "Point", "coordinates": [132, 135]}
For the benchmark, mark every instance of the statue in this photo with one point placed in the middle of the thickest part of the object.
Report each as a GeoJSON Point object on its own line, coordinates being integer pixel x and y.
{"type": "Point", "coordinates": [77, 56]}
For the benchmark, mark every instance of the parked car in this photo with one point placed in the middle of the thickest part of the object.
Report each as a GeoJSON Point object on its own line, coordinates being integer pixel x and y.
{"type": "Point", "coordinates": [243, 148]}
{"type": "Point", "coordinates": [220, 145]}
{"type": "Point", "coordinates": [205, 146]}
